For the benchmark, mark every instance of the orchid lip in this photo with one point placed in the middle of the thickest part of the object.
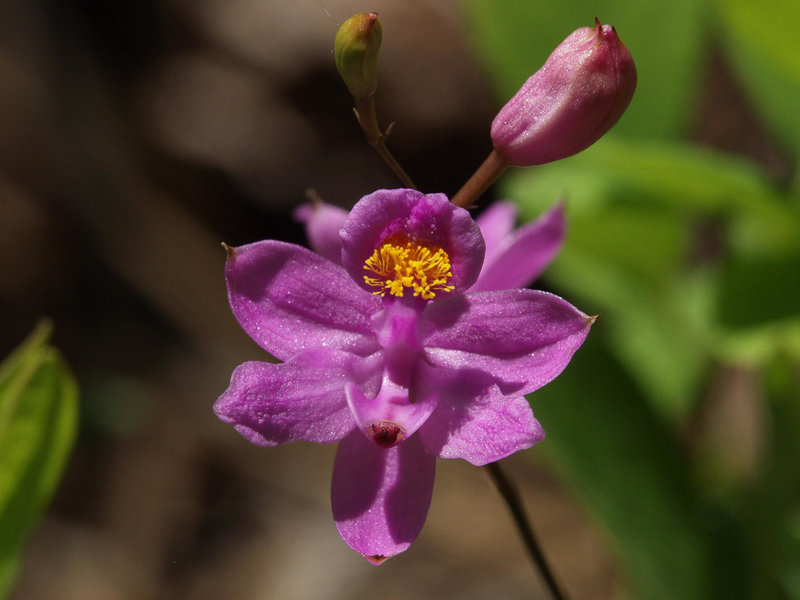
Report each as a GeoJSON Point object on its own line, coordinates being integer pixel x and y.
{"type": "Point", "coordinates": [385, 433]}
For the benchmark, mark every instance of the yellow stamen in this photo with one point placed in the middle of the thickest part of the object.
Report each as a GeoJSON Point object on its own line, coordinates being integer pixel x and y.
{"type": "Point", "coordinates": [410, 266]}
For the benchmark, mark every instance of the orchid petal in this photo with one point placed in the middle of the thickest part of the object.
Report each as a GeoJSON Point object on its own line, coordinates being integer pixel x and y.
{"type": "Point", "coordinates": [483, 430]}
{"type": "Point", "coordinates": [430, 220]}
{"type": "Point", "coordinates": [301, 399]}
{"type": "Point", "coordinates": [522, 338]}
{"type": "Point", "coordinates": [380, 497]}
{"type": "Point", "coordinates": [288, 299]}
{"type": "Point", "coordinates": [525, 254]}
{"type": "Point", "coordinates": [496, 224]}
{"type": "Point", "coordinates": [323, 222]}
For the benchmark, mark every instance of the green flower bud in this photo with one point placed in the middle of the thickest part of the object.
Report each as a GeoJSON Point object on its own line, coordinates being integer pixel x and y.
{"type": "Point", "coordinates": [356, 51]}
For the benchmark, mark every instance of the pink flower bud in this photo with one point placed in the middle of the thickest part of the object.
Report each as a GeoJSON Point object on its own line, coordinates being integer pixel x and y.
{"type": "Point", "coordinates": [567, 105]}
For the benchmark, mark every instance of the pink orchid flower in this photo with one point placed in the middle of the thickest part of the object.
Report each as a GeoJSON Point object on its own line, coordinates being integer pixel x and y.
{"type": "Point", "coordinates": [387, 355]}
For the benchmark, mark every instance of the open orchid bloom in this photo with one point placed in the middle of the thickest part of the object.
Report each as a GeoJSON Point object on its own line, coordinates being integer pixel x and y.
{"type": "Point", "coordinates": [389, 356]}
{"type": "Point", "coordinates": [514, 257]}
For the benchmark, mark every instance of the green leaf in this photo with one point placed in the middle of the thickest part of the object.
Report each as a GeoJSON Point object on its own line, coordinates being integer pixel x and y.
{"type": "Point", "coordinates": [9, 568]}
{"type": "Point", "coordinates": [758, 346]}
{"type": "Point", "coordinates": [681, 179]}
{"type": "Point", "coordinates": [629, 471]}
{"type": "Point", "coordinates": [658, 333]}
{"type": "Point", "coordinates": [762, 43]}
{"type": "Point", "coordinates": [515, 38]}
{"type": "Point", "coordinates": [770, 512]}
{"type": "Point", "coordinates": [756, 291]}
{"type": "Point", "coordinates": [790, 572]}
{"type": "Point", "coordinates": [38, 418]}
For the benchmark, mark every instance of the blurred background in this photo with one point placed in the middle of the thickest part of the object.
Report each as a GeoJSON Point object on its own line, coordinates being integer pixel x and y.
{"type": "Point", "coordinates": [136, 137]}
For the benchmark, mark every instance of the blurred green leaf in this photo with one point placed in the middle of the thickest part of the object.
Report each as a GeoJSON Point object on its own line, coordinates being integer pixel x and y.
{"type": "Point", "coordinates": [9, 567]}
{"type": "Point", "coordinates": [681, 179]}
{"type": "Point", "coordinates": [755, 291]}
{"type": "Point", "coordinates": [645, 243]}
{"type": "Point", "coordinates": [770, 508]}
{"type": "Point", "coordinates": [762, 43]}
{"type": "Point", "coordinates": [759, 345]}
{"type": "Point", "coordinates": [515, 38]}
{"type": "Point", "coordinates": [622, 461]}
{"type": "Point", "coordinates": [790, 573]}
{"type": "Point", "coordinates": [38, 417]}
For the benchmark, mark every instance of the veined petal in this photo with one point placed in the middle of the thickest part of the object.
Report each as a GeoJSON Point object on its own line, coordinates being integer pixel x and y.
{"type": "Point", "coordinates": [380, 497]}
{"type": "Point", "coordinates": [323, 222]}
{"type": "Point", "coordinates": [289, 299]}
{"type": "Point", "coordinates": [521, 338]}
{"type": "Point", "coordinates": [301, 399]}
{"type": "Point", "coordinates": [524, 254]}
{"type": "Point", "coordinates": [429, 220]}
{"type": "Point", "coordinates": [482, 429]}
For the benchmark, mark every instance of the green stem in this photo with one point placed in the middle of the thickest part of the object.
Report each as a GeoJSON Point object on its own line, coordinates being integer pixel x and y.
{"type": "Point", "coordinates": [480, 181]}
{"type": "Point", "coordinates": [511, 496]}
{"type": "Point", "coordinates": [365, 113]}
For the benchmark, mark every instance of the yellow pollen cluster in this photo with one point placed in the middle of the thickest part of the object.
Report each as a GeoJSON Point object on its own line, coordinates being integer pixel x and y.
{"type": "Point", "coordinates": [409, 266]}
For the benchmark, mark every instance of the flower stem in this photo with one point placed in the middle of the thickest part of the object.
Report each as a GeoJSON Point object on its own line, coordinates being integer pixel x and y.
{"type": "Point", "coordinates": [511, 496]}
{"type": "Point", "coordinates": [368, 120]}
{"type": "Point", "coordinates": [480, 181]}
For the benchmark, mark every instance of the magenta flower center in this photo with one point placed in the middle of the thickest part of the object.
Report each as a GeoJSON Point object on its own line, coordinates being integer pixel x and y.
{"type": "Point", "coordinates": [397, 267]}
